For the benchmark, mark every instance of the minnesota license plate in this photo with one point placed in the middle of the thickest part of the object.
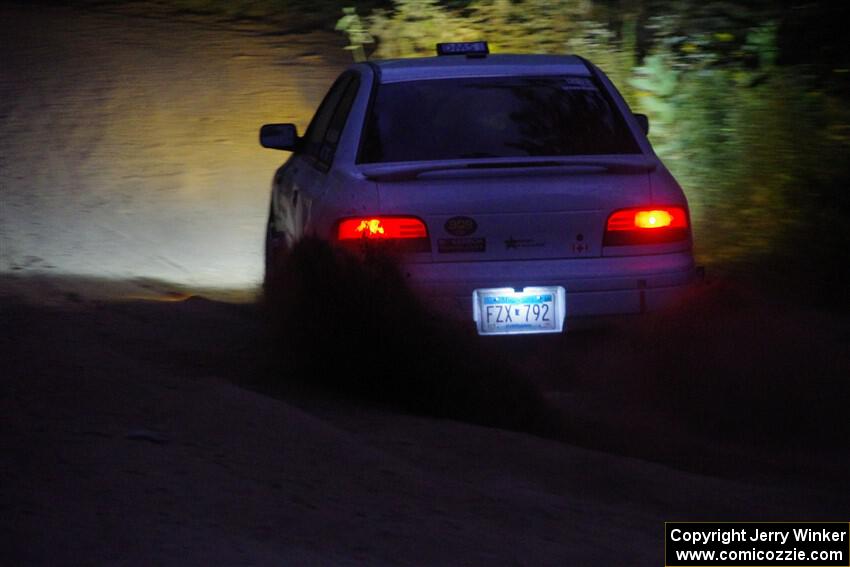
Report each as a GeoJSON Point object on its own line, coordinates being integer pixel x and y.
{"type": "Point", "coordinates": [505, 311]}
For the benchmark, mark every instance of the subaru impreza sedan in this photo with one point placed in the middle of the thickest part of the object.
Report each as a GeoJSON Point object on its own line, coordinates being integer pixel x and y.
{"type": "Point", "coordinates": [520, 190]}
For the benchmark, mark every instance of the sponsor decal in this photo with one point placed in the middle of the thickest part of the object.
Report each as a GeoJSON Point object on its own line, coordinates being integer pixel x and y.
{"type": "Point", "coordinates": [514, 243]}
{"type": "Point", "coordinates": [449, 245]}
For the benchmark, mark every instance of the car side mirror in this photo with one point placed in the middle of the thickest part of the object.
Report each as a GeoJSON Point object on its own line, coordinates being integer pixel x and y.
{"type": "Point", "coordinates": [280, 137]}
{"type": "Point", "coordinates": [643, 122]}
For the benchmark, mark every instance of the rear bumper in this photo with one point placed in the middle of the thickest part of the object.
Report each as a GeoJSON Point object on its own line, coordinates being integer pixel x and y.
{"type": "Point", "coordinates": [596, 287]}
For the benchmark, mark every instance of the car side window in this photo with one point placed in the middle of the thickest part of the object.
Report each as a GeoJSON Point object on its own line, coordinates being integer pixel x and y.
{"type": "Point", "coordinates": [318, 127]}
{"type": "Point", "coordinates": [340, 116]}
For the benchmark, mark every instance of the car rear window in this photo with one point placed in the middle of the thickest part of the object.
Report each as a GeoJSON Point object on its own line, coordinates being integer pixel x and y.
{"type": "Point", "coordinates": [492, 117]}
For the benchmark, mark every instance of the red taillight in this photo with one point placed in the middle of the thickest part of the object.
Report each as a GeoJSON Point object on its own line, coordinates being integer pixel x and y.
{"type": "Point", "coordinates": [646, 225]}
{"type": "Point", "coordinates": [656, 218]}
{"type": "Point", "coordinates": [409, 233]}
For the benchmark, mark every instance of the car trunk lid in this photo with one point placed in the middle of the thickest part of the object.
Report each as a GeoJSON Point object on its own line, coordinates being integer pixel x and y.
{"type": "Point", "coordinates": [517, 213]}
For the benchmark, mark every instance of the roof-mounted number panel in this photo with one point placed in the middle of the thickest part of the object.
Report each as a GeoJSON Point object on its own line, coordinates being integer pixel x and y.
{"type": "Point", "coordinates": [468, 48]}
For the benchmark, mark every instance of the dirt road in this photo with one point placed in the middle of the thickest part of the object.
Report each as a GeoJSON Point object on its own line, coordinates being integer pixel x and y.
{"type": "Point", "coordinates": [126, 440]}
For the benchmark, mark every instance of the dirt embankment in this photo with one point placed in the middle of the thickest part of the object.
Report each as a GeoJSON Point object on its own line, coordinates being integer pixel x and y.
{"type": "Point", "coordinates": [129, 141]}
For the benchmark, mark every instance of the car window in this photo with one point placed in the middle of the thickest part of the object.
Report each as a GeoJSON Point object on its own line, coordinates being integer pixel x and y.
{"type": "Point", "coordinates": [318, 127]}
{"type": "Point", "coordinates": [337, 123]}
{"type": "Point", "coordinates": [493, 117]}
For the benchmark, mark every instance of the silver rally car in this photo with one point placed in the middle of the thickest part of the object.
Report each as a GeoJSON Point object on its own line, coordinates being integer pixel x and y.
{"type": "Point", "coordinates": [520, 189]}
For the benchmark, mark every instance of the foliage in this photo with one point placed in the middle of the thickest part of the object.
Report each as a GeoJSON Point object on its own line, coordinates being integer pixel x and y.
{"type": "Point", "coordinates": [748, 139]}
{"type": "Point", "coordinates": [413, 27]}
{"type": "Point", "coordinates": [351, 24]}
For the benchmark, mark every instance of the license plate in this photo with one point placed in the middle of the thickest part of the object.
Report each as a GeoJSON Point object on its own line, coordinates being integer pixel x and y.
{"type": "Point", "coordinates": [505, 311]}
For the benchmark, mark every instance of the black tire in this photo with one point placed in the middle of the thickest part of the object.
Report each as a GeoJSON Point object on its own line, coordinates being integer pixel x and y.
{"type": "Point", "coordinates": [273, 260]}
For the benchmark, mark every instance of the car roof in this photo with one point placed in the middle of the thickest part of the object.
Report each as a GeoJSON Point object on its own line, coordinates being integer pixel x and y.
{"type": "Point", "coordinates": [450, 66]}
